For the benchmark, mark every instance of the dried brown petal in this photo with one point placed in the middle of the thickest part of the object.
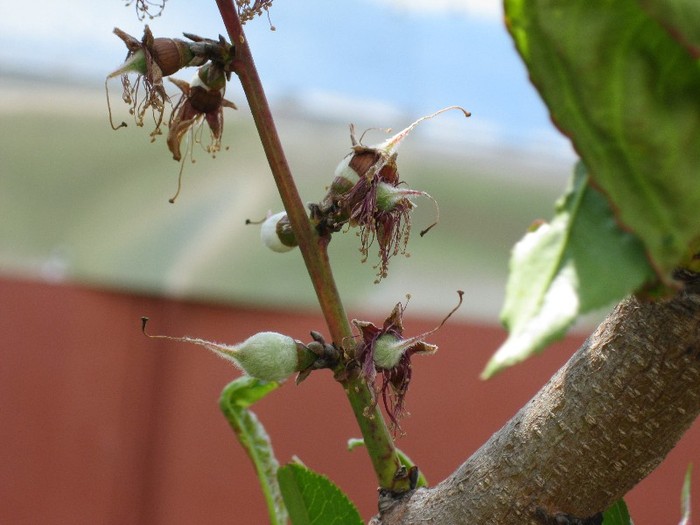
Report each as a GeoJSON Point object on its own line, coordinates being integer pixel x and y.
{"type": "Point", "coordinates": [197, 103]}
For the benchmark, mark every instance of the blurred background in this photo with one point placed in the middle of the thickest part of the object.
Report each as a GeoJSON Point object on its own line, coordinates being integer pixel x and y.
{"type": "Point", "coordinates": [101, 425]}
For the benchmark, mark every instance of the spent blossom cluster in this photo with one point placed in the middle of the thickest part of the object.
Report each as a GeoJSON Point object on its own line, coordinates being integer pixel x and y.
{"type": "Point", "coordinates": [366, 193]}
{"type": "Point", "coordinates": [150, 60]}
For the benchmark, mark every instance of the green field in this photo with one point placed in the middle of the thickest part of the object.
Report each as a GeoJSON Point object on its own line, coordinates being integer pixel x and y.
{"type": "Point", "coordinates": [87, 204]}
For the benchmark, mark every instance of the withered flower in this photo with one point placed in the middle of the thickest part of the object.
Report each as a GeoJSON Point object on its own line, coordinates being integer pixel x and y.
{"type": "Point", "coordinates": [385, 351]}
{"type": "Point", "coordinates": [202, 99]}
{"type": "Point", "coordinates": [367, 193]}
{"type": "Point", "coordinates": [249, 9]}
{"type": "Point", "coordinates": [151, 59]}
{"type": "Point", "coordinates": [143, 8]}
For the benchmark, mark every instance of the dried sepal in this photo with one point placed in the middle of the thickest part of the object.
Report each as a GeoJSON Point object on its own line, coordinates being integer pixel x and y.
{"type": "Point", "coordinates": [201, 100]}
{"type": "Point", "coordinates": [220, 52]}
{"type": "Point", "coordinates": [392, 143]}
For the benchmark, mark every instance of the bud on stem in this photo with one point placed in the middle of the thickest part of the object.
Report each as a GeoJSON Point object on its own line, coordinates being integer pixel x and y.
{"type": "Point", "coordinates": [276, 233]}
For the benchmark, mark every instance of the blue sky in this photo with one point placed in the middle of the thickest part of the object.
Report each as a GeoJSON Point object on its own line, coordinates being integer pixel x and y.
{"type": "Point", "coordinates": [368, 56]}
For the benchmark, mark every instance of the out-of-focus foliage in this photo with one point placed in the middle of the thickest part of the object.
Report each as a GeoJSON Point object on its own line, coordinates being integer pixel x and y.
{"type": "Point", "coordinates": [580, 261]}
{"type": "Point", "coordinates": [623, 85]}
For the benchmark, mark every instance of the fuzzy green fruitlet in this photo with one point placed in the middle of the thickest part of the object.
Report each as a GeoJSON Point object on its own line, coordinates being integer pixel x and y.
{"type": "Point", "coordinates": [268, 356]}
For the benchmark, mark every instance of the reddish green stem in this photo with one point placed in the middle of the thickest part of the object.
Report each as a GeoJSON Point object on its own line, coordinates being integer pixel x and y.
{"type": "Point", "coordinates": [378, 441]}
{"type": "Point", "coordinates": [316, 263]}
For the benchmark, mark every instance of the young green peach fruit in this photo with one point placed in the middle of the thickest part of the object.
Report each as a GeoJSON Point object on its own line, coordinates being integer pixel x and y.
{"type": "Point", "coordinates": [389, 197]}
{"type": "Point", "coordinates": [269, 356]}
{"type": "Point", "coordinates": [389, 348]}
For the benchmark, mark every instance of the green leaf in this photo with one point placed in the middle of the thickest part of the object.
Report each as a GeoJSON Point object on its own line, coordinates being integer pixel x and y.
{"type": "Point", "coordinates": [312, 499]}
{"type": "Point", "coordinates": [681, 18]}
{"type": "Point", "coordinates": [685, 497]}
{"type": "Point", "coordinates": [580, 261]}
{"type": "Point", "coordinates": [617, 514]}
{"type": "Point", "coordinates": [407, 462]}
{"type": "Point", "coordinates": [235, 400]}
{"type": "Point", "coordinates": [626, 93]}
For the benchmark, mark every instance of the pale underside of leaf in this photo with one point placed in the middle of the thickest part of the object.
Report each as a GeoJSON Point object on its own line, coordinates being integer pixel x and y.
{"type": "Point", "coordinates": [582, 260]}
{"type": "Point", "coordinates": [623, 87]}
{"type": "Point", "coordinates": [235, 400]}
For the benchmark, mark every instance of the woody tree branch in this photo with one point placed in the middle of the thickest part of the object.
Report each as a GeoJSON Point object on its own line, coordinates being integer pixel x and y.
{"type": "Point", "coordinates": [601, 424]}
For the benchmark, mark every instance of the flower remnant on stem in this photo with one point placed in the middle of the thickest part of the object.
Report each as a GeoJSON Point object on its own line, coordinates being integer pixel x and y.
{"type": "Point", "coordinates": [151, 59]}
{"type": "Point", "coordinates": [385, 351]}
{"type": "Point", "coordinates": [201, 100]}
{"type": "Point", "coordinates": [143, 8]}
{"type": "Point", "coordinates": [367, 193]}
{"type": "Point", "coordinates": [248, 10]}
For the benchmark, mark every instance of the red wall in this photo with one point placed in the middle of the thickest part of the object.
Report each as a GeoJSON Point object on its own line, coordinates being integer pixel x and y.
{"type": "Point", "coordinates": [101, 425]}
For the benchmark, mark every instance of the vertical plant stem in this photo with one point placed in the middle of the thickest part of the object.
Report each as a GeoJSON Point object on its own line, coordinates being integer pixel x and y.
{"type": "Point", "coordinates": [377, 438]}
{"type": "Point", "coordinates": [316, 264]}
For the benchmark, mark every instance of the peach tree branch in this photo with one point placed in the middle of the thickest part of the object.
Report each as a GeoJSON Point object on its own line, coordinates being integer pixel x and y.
{"type": "Point", "coordinates": [372, 424]}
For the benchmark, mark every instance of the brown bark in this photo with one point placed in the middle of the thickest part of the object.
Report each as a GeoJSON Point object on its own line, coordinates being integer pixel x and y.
{"type": "Point", "coordinates": [598, 427]}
